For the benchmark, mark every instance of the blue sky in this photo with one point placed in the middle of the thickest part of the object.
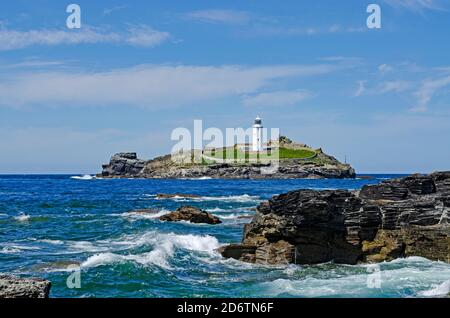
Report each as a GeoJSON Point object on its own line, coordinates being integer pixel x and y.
{"type": "Point", "coordinates": [138, 69]}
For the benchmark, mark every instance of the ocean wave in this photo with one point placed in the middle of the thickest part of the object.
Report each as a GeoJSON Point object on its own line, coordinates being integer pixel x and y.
{"type": "Point", "coordinates": [201, 178]}
{"type": "Point", "coordinates": [83, 177]}
{"type": "Point", "coordinates": [232, 198]}
{"type": "Point", "coordinates": [164, 246]}
{"type": "Point", "coordinates": [233, 216]}
{"type": "Point", "coordinates": [400, 278]}
{"type": "Point", "coordinates": [16, 248]}
{"type": "Point", "coordinates": [22, 217]}
{"type": "Point", "coordinates": [439, 290]}
{"type": "Point", "coordinates": [141, 215]}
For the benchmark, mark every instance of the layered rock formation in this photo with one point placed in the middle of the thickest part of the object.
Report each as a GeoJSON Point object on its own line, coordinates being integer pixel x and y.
{"type": "Point", "coordinates": [127, 165]}
{"type": "Point", "coordinates": [191, 214]}
{"type": "Point", "coordinates": [397, 218]}
{"type": "Point", "coordinates": [15, 287]}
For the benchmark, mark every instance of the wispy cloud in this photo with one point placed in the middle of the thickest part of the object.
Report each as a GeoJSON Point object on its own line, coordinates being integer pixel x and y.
{"type": "Point", "coordinates": [393, 86]}
{"type": "Point", "coordinates": [416, 5]}
{"type": "Point", "coordinates": [361, 89]}
{"type": "Point", "coordinates": [108, 11]}
{"type": "Point", "coordinates": [149, 86]}
{"type": "Point", "coordinates": [276, 99]}
{"type": "Point", "coordinates": [287, 31]}
{"type": "Point", "coordinates": [142, 35]}
{"type": "Point", "coordinates": [427, 91]}
{"type": "Point", "coordinates": [219, 16]}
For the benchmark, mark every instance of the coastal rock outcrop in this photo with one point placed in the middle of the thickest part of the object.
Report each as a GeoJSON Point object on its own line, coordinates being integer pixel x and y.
{"type": "Point", "coordinates": [15, 287]}
{"type": "Point", "coordinates": [396, 218]}
{"type": "Point", "coordinates": [125, 164]}
{"type": "Point", "coordinates": [190, 214]}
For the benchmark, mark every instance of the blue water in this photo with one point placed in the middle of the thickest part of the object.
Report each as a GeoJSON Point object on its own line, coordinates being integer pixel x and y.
{"type": "Point", "coordinates": [53, 226]}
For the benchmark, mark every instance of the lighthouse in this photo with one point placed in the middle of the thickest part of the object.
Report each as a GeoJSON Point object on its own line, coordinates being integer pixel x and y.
{"type": "Point", "coordinates": [257, 143]}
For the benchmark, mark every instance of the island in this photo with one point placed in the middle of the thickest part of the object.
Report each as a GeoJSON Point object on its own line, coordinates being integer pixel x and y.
{"type": "Point", "coordinates": [292, 161]}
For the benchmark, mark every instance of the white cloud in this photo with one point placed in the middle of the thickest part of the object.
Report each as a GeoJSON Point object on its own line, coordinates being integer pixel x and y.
{"type": "Point", "coordinates": [361, 89]}
{"type": "Point", "coordinates": [427, 91]}
{"type": "Point", "coordinates": [108, 11]}
{"type": "Point", "coordinates": [276, 99]}
{"type": "Point", "coordinates": [262, 30]}
{"type": "Point", "coordinates": [219, 16]}
{"type": "Point", "coordinates": [147, 85]}
{"type": "Point", "coordinates": [393, 86]}
{"type": "Point", "coordinates": [385, 68]}
{"type": "Point", "coordinates": [415, 5]}
{"type": "Point", "coordinates": [138, 35]}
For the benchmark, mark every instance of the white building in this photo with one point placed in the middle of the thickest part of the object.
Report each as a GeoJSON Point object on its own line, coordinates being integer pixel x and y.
{"type": "Point", "coordinates": [257, 141]}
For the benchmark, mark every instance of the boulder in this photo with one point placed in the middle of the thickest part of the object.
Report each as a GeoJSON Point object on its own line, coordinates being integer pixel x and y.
{"type": "Point", "coordinates": [397, 218]}
{"type": "Point", "coordinates": [15, 287]}
{"type": "Point", "coordinates": [191, 214]}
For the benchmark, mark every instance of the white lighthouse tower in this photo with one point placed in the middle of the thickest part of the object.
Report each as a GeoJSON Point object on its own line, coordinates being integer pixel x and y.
{"type": "Point", "coordinates": [257, 142]}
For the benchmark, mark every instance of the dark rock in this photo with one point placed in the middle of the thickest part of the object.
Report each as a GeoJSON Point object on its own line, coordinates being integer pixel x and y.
{"type": "Point", "coordinates": [15, 287]}
{"type": "Point", "coordinates": [191, 214]}
{"type": "Point", "coordinates": [397, 218]}
{"type": "Point", "coordinates": [123, 165]}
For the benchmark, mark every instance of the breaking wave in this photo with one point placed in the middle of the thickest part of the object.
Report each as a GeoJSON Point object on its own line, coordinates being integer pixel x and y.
{"type": "Point", "coordinates": [22, 217]}
{"type": "Point", "coordinates": [164, 246]}
{"type": "Point", "coordinates": [440, 290]}
{"type": "Point", "coordinates": [141, 215]}
{"type": "Point", "coordinates": [83, 177]}
{"type": "Point", "coordinates": [232, 198]}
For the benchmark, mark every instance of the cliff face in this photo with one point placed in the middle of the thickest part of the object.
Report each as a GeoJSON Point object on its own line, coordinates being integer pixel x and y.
{"type": "Point", "coordinates": [397, 218]}
{"type": "Point", "coordinates": [127, 165]}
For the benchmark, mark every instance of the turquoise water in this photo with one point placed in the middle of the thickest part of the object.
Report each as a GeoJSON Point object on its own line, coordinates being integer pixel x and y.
{"type": "Point", "coordinates": [50, 223]}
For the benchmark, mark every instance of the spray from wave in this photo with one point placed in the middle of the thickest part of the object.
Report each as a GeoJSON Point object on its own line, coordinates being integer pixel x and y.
{"type": "Point", "coordinates": [163, 249]}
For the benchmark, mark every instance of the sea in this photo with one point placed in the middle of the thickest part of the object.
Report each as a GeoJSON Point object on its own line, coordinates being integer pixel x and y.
{"type": "Point", "coordinates": [81, 233]}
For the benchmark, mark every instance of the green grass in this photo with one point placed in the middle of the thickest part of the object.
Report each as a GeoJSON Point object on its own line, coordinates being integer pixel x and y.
{"type": "Point", "coordinates": [284, 153]}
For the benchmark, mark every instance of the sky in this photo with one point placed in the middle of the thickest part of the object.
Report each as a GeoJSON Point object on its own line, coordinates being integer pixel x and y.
{"type": "Point", "coordinates": [137, 70]}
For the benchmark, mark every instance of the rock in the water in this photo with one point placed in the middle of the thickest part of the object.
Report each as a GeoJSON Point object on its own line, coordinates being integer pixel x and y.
{"type": "Point", "coordinates": [123, 165]}
{"type": "Point", "coordinates": [15, 287]}
{"type": "Point", "coordinates": [191, 214]}
{"type": "Point", "coordinates": [397, 218]}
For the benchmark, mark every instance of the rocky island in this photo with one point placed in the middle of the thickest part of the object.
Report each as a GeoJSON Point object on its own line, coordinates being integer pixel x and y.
{"type": "Point", "coordinates": [396, 218]}
{"type": "Point", "coordinates": [295, 161]}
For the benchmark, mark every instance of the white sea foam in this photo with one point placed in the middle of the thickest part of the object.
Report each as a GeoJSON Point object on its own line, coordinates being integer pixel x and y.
{"type": "Point", "coordinates": [439, 290]}
{"type": "Point", "coordinates": [83, 177]}
{"type": "Point", "coordinates": [164, 246]}
{"type": "Point", "coordinates": [232, 198]}
{"type": "Point", "coordinates": [140, 215]}
{"type": "Point", "coordinates": [201, 178]}
{"type": "Point", "coordinates": [233, 216]}
{"type": "Point", "coordinates": [16, 248]}
{"type": "Point", "coordinates": [53, 242]}
{"type": "Point", "coordinates": [22, 217]}
{"type": "Point", "coordinates": [398, 279]}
